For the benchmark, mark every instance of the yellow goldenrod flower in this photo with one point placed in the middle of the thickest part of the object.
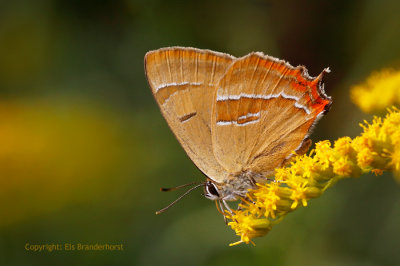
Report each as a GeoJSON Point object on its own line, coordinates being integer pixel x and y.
{"type": "Point", "coordinates": [381, 89]}
{"type": "Point", "coordinates": [376, 150]}
{"type": "Point", "coordinates": [248, 228]}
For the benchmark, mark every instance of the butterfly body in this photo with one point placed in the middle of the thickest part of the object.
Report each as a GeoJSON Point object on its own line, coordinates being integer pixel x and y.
{"type": "Point", "coordinates": [237, 118]}
{"type": "Point", "coordinates": [237, 185]}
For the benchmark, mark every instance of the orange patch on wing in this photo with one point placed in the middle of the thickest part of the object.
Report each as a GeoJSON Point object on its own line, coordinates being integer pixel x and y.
{"type": "Point", "coordinates": [299, 83]}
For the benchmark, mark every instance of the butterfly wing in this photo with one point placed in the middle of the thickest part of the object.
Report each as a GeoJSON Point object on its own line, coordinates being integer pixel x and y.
{"type": "Point", "coordinates": [264, 111]}
{"type": "Point", "coordinates": [183, 83]}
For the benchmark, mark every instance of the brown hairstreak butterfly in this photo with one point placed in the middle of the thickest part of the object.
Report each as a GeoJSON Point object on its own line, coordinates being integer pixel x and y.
{"type": "Point", "coordinates": [236, 118]}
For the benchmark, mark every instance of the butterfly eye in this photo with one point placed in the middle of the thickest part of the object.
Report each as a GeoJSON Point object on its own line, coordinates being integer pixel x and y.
{"type": "Point", "coordinates": [211, 191]}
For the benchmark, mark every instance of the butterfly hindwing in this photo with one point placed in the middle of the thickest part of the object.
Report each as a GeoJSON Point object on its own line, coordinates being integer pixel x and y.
{"type": "Point", "coordinates": [264, 110]}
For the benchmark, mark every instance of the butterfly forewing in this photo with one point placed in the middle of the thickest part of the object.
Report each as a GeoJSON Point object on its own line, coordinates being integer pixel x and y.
{"type": "Point", "coordinates": [183, 81]}
{"type": "Point", "coordinates": [264, 110]}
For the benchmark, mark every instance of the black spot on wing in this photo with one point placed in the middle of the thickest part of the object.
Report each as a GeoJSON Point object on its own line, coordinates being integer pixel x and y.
{"type": "Point", "coordinates": [187, 117]}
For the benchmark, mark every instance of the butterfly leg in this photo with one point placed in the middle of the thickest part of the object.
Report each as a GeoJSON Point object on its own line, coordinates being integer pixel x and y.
{"type": "Point", "coordinates": [221, 206]}
{"type": "Point", "coordinates": [247, 199]}
{"type": "Point", "coordinates": [227, 206]}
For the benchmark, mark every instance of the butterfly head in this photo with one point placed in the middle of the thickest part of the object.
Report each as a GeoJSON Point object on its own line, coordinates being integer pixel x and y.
{"type": "Point", "coordinates": [211, 191]}
{"type": "Point", "coordinates": [234, 187]}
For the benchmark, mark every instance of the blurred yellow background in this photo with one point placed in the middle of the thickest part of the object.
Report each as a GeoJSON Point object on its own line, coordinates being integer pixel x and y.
{"type": "Point", "coordinates": [84, 148]}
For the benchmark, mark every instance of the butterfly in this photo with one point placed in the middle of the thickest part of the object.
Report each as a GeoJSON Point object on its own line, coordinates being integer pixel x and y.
{"type": "Point", "coordinates": [237, 118]}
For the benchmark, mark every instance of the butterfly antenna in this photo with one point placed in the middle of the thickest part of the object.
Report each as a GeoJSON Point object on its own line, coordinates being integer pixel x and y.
{"type": "Point", "coordinates": [178, 187]}
{"type": "Point", "coordinates": [180, 197]}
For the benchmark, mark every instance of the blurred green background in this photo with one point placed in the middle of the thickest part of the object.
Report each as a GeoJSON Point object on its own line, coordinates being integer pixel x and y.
{"type": "Point", "coordinates": [84, 148]}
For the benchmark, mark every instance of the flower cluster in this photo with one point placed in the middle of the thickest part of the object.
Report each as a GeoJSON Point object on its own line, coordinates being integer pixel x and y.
{"type": "Point", "coordinates": [380, 90]}
{"type": "Point", "coordinates": [376, 150]}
